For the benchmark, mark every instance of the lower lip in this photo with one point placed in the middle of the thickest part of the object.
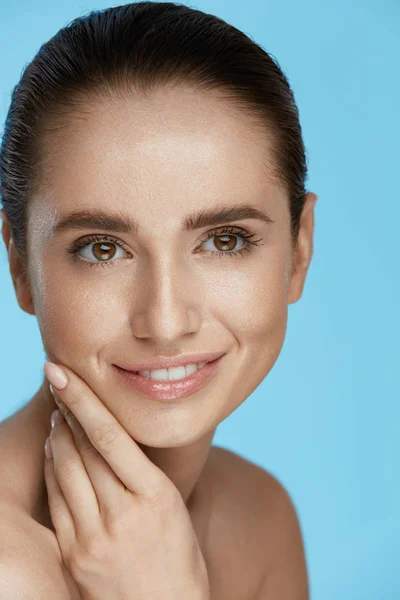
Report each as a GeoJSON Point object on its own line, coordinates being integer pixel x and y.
{"type": "Point", "coordinates": [171, 390]}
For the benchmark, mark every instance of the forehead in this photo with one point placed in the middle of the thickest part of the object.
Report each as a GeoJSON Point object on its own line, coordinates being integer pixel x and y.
{"type": "Point", "coordinates": [172, 148]}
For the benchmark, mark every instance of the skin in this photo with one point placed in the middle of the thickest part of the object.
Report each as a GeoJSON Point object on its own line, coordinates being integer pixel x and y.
{"type": "Point", "coordinates": [128, 519]}
{"type": "Point", "coordinates": [158, 160]}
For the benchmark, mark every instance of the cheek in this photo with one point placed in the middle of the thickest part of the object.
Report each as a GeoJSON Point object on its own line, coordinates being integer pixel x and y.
{"type": "Point", "coordinates": [73, 318]}
{"type": "Point", "coordinates": [258, 304]}
{"type": "Point", "coordinates": [259, 321]}
{"type": "Point", "coordinates": [79, 317]}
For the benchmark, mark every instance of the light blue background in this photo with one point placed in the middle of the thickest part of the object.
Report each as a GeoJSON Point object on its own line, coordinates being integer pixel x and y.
{"type": "Point", "coordinates": [325, 420]}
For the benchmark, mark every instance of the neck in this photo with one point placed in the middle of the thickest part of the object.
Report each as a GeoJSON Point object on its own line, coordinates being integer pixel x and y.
{"type": "Point", "coordinates": [183, 465]}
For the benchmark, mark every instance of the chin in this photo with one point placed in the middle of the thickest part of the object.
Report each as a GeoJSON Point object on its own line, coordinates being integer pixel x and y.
{"type": "Point", "coordinates": [168, 437]}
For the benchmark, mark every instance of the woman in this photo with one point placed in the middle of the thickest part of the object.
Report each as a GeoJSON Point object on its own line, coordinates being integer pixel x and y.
{"type": "Point", "coordinates": [164, 146]}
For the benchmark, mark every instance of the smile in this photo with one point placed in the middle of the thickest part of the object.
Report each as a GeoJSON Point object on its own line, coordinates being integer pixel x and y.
{"type": "Point", "coordinates": [184, 381]}
{"type": "Point", "coordinates": [172, 373]}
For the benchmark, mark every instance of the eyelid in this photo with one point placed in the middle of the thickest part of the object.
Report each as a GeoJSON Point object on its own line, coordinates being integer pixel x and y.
{"type": "Point", "coordinates": [233, 229]}
{"type": "Point", "coordinates": [94, 237]}
{"type": "Point", "coordinates": [217, 231]}
{"type": "Point", "coordinates": [100, 237]}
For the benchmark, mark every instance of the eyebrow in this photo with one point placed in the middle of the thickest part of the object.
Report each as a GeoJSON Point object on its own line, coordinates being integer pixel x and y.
{"type": "Point", "coordinates": [83, 219]}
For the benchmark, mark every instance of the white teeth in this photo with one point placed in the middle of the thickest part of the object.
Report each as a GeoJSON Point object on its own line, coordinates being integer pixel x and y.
{"type": "Point", "coordinates": [172, 374]}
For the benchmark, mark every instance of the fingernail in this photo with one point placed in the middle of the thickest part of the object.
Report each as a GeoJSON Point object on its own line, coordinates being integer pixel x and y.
{"type": "Point", "coordinates": [47, 449]}
{"type": "Point", "coordinates": [56, 418]}
{"type": "Point", "coordinates": [56, 399]}
{"type": "Point", "coordinates": [55, 375]}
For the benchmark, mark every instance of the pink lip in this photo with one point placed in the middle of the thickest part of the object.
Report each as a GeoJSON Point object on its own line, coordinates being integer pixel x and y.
{"type": "Point", "coordinates": [175, 361]}
{"type": "Point", "coordinates": [171, 390]}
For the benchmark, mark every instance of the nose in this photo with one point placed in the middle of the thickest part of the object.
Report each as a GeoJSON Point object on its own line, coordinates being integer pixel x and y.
{"type": "Point", "coordinates": [167, 306]}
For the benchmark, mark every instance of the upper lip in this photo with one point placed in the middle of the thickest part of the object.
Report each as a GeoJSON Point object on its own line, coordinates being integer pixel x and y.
{"type": "Point", "coordinates": [175, 361]}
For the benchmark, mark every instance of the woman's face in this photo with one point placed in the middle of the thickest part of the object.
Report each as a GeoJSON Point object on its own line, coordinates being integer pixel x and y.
{"type": "Point", "coordinates": [157, 161]}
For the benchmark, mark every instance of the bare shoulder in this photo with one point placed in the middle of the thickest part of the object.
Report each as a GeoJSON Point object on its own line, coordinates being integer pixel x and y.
{"type": "Point", "coordinates": [270, 530]}
{"type": "Point", "coordinates": [30, 561]}
{"type": "Point", "coordinates": [252, 483]}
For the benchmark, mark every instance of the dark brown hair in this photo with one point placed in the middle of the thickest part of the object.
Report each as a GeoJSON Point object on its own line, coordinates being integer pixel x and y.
{"type": "Point", "coordinates": [133, 49]}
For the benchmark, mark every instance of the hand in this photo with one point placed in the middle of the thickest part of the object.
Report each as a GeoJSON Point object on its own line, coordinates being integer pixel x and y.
{"type": "Point", "coordinates": [122, 526]}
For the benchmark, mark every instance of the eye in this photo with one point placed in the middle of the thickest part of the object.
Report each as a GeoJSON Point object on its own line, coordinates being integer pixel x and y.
{"type": "Point", "coordinates": [99, 246]}
{"type": "Point", "coordinates": [227, 239]}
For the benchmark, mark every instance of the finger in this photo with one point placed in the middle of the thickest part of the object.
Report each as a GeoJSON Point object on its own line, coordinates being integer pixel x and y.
{"type": "Point", "coordinates": [108, 488]}
{"type": "Point", "coordinates": [59, 512]}
{"type": "Point", "coordinates": [73, 480]}
{"type": "Point", "coordinates": [138, 474]}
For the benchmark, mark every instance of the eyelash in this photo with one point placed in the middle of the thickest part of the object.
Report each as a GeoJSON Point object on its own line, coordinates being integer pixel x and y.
{"type": "Point", "coordinates": [246, 235]}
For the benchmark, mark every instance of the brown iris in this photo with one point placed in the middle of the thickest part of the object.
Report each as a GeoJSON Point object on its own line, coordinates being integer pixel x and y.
{"type": "Point", "coordinates": [226, 245]}
{"type": "Point", "coordinates": [100, 247]}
